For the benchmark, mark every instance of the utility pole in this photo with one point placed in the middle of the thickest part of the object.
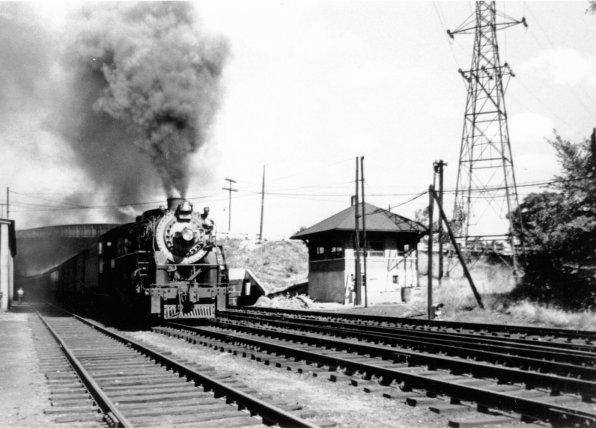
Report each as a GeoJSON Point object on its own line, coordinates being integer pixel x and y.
{"type": "Point", "coordinates": [429, 289]}
{"type": "Point", "coordinates": [438, 167]}
{"type": "Point", "coordinates": [230, 190]}
{"type": "Point", "coordinates": [262, 205]}
{"type": "Point", "coordinates": [364, 277]}
{"type": "Point", "coordinates": [357, 278]}
{"type": "Point", "coordinates": [8, 202]}
{"type": "Point", "coordinates": [486, 191]}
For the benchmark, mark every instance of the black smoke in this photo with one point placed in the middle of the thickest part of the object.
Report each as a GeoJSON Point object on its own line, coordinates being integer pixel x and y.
{"type": "Point", "coordinates": [145, 81]}
{"type": "Point", "coordinates": [117, 98]}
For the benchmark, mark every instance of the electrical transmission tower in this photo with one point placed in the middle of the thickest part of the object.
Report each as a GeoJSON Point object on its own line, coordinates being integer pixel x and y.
{"type": "Point", "coordinates": [486, 191]}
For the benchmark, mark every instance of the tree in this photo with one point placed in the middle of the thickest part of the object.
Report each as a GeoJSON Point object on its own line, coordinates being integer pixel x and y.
{"type": "Point", "coordinates": [421, 216]}
{"type": "Point", "coordinates": [559, 229]}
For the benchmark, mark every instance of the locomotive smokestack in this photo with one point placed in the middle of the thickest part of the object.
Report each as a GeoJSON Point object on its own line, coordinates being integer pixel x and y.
{"type": "Point", "coordinates": [174, 202]}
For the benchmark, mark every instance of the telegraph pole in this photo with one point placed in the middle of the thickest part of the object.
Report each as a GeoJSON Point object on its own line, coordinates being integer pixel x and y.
{"type": "Point", "coordinates": [364, 277]}
{"type": "Point", "coordinates": [8, 202]}
{"type": "Point", "coordinates": [438, 167]}
{"type": "Point", "coordinates": [429, 289]}
{"type": "Point", "coordinates": [357, 278]}
{"type": "Point", "coordinates": [262, 205]}
{"type": "Point", "coordinates": [230, 190]}
{"type": "Point", "coordinates": [486, 190]}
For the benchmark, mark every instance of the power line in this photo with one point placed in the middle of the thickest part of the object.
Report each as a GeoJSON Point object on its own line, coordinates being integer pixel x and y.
{"type": "Point", "coordinates": [444, 27]}
{"type": "Point", "coordinates": [552, 46]}
{"type": "Point", "coordinates": [409, 200]}
{"type": "Point", "coordinates": [246, 194]}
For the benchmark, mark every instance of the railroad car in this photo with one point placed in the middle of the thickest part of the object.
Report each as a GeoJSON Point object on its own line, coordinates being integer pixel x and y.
{"type": "Point", "coordinates": [164, 265]}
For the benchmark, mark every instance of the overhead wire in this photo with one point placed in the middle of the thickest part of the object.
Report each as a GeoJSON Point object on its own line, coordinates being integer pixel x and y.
{"type": "Point", "coordinates": [444, 27]}
{"type": "Point", "coordinates": [553, 47]}
{"type": "Point", "coordinates": [314, 196]}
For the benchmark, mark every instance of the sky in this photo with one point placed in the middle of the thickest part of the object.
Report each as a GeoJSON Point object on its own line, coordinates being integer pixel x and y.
{"type": "Point", "coordinates": [311, 85]}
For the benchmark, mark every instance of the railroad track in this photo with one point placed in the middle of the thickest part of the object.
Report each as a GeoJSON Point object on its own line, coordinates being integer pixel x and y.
{"type": "Point", "coordinates": [504, 382]}
{"type": "Point", "coordinates": [566, 337]}
{"type": "Point", "coordinates": [568, 360]}
{"type": "Point", "coordinates": [106, 379]}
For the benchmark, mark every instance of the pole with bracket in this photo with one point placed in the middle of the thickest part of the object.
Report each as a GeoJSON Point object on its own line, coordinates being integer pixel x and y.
{"type": "Point", "coordinates": [364, 245]}
{"type": "Point", "coordinates": [357, 278]}
{"type": "Point", "coordinates": [438, 165]}
{"type": "Point", "coordinates": [429, 300]}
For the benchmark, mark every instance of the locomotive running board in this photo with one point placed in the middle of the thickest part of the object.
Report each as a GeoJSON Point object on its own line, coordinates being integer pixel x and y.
{"type": "Point", "coordinates": [199, 311]}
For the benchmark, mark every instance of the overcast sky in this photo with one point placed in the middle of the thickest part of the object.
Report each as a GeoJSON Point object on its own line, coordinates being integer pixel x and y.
{"type": "Point", "coordinates": [312, 84]}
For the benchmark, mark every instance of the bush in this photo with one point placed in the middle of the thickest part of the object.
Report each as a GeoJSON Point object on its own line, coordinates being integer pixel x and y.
{"type": "Point", "coordinates": [559, 230]}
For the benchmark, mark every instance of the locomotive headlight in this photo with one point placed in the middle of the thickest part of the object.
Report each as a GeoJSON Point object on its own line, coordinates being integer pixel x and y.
{"type": "Point", "coordinates": [187, 234]}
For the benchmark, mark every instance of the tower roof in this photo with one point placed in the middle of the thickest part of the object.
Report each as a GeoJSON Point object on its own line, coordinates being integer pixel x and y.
{"type": "Point", "coordinates": [377, 220]}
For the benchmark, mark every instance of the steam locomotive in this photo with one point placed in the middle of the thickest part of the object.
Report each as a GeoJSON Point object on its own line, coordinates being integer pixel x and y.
{"type": "Point", "coordinates": [165, 265]}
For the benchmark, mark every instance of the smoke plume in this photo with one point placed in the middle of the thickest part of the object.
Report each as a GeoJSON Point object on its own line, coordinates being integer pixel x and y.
{"type": "Point", "coordinates": [144, 78]}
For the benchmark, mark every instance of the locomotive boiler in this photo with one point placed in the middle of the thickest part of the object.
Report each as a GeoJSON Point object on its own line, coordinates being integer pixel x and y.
{"type": "Point", "coordinates": [164, 265]}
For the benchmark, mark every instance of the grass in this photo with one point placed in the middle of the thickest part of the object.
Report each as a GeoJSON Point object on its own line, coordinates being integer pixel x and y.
{"type": "Point", "coordinates": [500, 307]}
{"type": "Point", "coordinates": [552, 316]}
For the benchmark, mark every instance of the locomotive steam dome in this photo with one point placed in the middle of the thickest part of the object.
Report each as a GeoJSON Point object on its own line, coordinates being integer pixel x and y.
{"type": "Point", "coordinates": [179, 234]}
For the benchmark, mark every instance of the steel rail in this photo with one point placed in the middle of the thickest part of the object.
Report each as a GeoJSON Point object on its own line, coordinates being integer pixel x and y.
{"type": "Point", "coordinates": [268, 412]}
{"type": "Point", "coordinates": [556, 414]}
{"type": "Point", "coordinates": [105, 404]}
{"type": "Point", "coordinates": [498, 354]}
{"type": "Point", "coordinates": [511, 329]}
{"type": "Point", "coordinates": [571, 358]}
{"type": "Point", "coordinates": [556, 383]}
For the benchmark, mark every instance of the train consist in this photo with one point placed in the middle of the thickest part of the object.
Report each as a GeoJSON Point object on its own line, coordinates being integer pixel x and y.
{"type": "Point", "coordinates": [165, 265]}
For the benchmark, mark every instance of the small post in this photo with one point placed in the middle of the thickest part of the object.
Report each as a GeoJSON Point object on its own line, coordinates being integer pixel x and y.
{"type": "Point", "coordinates": [429, 290]}
{"type": "Point", "coordinates": [262, 205]}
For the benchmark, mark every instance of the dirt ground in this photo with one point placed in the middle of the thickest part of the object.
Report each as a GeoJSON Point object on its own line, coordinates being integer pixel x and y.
{"type": "Point", "coordinates": [23, 391]}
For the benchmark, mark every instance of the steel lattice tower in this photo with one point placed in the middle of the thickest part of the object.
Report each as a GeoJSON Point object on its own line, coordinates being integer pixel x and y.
{"type": "Point", "coordinates": [486, 191]}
